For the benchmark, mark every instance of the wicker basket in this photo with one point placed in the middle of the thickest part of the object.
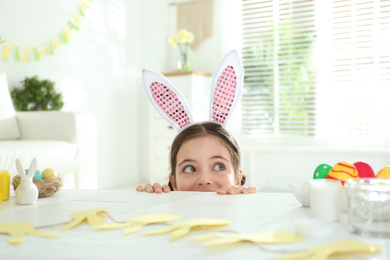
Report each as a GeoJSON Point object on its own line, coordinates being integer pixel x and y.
{"type": "Point", "coordinates": [46, 187]}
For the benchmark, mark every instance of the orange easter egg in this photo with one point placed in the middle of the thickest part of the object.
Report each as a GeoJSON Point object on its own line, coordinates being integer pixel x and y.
{"type": "Point", "coordinates": [343, 171]}
{"type": "Point", "coordinates": [384, 173]}
{"type": "Point", "coordinates": [364, 170]}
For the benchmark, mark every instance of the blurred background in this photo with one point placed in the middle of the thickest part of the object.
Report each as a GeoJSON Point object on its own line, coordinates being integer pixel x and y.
{"type": "Point", "coordinates": [317, 77]}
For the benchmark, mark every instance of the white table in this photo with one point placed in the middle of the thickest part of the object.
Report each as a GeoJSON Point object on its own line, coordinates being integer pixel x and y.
{"type": "Point", "coordinates": [250, 213]}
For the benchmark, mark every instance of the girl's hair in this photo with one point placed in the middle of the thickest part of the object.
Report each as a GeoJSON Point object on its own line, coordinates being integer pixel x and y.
{"type": "Point", "coordinates": [202, 129]}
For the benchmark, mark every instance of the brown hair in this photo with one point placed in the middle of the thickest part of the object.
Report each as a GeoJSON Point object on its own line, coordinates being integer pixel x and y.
{"type": "Point", "coordinates": [202, 129]}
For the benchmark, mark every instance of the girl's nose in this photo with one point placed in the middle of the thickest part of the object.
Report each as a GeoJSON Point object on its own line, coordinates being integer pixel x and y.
{"type": "Point", "coordinates": [204, 179]}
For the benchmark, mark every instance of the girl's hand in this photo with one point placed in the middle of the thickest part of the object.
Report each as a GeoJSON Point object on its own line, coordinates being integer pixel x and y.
{"type": "Point", "coordinates": [156, 188]}
{"type": "Point", "coordinates": [233, 189]}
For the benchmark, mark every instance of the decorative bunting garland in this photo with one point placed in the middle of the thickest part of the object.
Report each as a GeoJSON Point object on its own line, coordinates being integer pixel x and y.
{"type": "Point", "coordinates": [94, 217]}
{"type": "Point", "coordinates": [52, 46]}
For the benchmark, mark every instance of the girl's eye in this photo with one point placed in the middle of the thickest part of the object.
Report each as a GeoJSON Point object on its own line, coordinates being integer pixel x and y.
{"type": "Point", "coordinates": [219, 167]}
{"type": "Point", "coordinates": [189, 169]}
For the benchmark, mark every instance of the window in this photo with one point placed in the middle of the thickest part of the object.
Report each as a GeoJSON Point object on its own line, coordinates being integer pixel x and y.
{"type": "Point", "coordinates": [316, 68]}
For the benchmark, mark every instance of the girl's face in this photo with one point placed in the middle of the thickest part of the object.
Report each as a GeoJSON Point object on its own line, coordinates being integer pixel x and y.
{"type": "Point", "coordinates": [203, 164]}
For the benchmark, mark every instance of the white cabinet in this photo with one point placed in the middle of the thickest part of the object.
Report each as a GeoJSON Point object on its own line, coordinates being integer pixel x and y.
{"type": "Point", "coordinates": [195, 87]}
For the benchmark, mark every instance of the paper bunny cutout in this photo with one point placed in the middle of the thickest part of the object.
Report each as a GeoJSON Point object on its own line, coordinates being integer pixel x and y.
{"type": "Point", "coordinates": [226, 90]}
{"type": "Point", "coordinates": [27, 192]}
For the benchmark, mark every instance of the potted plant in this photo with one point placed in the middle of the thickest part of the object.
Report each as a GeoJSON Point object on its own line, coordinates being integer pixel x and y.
{"type": "Point", "coordinates": [36, 95]}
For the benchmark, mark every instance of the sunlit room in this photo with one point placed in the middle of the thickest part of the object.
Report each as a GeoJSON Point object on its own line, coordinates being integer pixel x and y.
{"type": "Point", "coordinates": [78, 104]}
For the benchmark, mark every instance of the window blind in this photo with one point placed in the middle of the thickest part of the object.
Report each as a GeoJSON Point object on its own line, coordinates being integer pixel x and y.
{"type": "Point", "coordinates": [360, 69]}
{"type": "Point", "coordinates": [282, 94]}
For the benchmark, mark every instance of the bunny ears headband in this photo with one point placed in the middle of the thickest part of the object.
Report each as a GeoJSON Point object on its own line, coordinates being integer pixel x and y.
{"type": "Point", "coordinates": [226, 89]}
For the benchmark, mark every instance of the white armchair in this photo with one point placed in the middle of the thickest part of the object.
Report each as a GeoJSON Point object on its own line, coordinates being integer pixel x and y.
{"type": "Point", "coordinates": [64, 141]}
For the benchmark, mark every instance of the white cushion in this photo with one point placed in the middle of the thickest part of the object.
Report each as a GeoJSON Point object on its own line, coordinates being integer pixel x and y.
{"type": "Point", "coordinates": [8, 125]}
{"type": "Point", "coordinates": [59, 155]}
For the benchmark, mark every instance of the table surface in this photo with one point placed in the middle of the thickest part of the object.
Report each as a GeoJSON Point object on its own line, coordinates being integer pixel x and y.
{"type": "Point", "coordinates": [249, 213]}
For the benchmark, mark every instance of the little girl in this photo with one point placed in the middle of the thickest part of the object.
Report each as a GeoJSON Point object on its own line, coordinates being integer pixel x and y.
{"type": "Point", "coordinates": [204, 156]}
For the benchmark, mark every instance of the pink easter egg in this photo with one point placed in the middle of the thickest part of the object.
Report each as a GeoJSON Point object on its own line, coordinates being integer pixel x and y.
{"type": "Point", "coordinates": [364, 170]}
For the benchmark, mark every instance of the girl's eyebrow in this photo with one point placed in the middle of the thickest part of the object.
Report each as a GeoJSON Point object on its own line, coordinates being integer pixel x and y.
{"type": "Point", "coordinates": [186, 161]}
{"type": "Point", "coordinates": [219, 157]}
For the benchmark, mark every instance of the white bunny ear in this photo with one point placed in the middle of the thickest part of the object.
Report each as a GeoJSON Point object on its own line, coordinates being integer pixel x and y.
{"type": "Point", "coordinates": [226, 88]}
{"type": "Point", "coordinates": [167, 99]}
{"type": "Point", "coordinates": [32, 169]}
{"type": "Point", "coordinates": [19, 167]}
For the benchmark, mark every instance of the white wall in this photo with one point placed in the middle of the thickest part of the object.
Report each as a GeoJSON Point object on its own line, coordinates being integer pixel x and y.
{"type": "Point", "coordinates": [102, 59]}
{"type": "Point", "coordinates": [273, 164]}
{"type": "Point", "coordinates": [102, 64]}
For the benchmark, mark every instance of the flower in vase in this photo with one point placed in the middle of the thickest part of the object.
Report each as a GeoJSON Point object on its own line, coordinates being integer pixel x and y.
{"type": "Point", "coordinates": [181, 40]}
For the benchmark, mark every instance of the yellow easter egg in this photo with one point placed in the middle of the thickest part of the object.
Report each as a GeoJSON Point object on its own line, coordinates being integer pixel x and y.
{"type": "Point", "coordinates": [384, 173]}
{"type": "Point", "coordinates": [343, 171]}
{"type": "Point", "coordinates": [49, 173]}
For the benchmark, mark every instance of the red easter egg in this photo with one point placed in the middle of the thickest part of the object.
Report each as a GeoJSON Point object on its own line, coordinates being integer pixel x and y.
{"type": "Point", "coordinates": [364, 170]}
{"type": "Point", "coordinates": [343, 171]}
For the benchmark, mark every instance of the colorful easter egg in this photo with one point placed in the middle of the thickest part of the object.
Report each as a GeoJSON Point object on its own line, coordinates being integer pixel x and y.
{"type": "Point", "coordinates": [322, 171]}
{"type": "Point", "coordinates": [49, 173]}
{"type": "Point", "coordinates": [384, 173]}
{"type": "Point", "coordinates": [37, 176]}
{"type": "Point", "coordinates": [364, 170]}
{"type": "Point", "coordinates": [343, 171]}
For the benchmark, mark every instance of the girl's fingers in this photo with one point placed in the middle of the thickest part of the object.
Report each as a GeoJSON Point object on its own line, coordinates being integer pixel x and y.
{"type": "Point", "coordinates": [157, 188]}
{"type": "Point", "coordinates": [221, 191]}
{"type": "Point", "coordinates": [231, 190]}
{"type": "Point", "coordinates": [235, 190]}
{"type": "Point", "coordinates": [149, 188]}
{"type": "Point", "coordinates": [140, 188]}
{"type": "Point", "coordinates": [224, 190]}
{"type": "Point", "coordinates": [166, 189]}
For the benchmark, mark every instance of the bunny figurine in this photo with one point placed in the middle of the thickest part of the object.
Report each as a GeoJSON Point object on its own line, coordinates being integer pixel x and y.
{"type": "Point", "coordinates": [27, 192]}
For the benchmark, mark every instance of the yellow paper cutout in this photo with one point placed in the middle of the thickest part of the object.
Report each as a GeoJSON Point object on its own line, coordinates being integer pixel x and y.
{"type": "Point", "coordinates": [206, 237]}
{"type": "Point", "coordinates": [86, 6]}
{"type": "Point", "coordinates": [25, 56]}
{"type": "Point", "coordinates": [136, 224]}
{"type": "Point", "coordinates": [18, 230]}
{"type": "Point", "coordinates": [56, 44]}
{"type": "Point", "coordinates": [273, 237]}
{"type": "Point", "coordinates": [91, 216]}
{"type": "Point", "coordinates": [183, 228]}
{"type": "Point", "coordinates": [324, 251]}
{"type": "Point", "coordinates": [42, 53]}
{"type": "Point", "coordinates": [77, 18]}
{"type": "Point", "coordinates": [67, 33]}
{"type": "Point", "coordinates": [7, 50]}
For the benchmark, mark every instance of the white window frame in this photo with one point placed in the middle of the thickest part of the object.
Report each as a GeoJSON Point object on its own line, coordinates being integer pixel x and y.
{"type": "Point", "coordinates": [323, 9]}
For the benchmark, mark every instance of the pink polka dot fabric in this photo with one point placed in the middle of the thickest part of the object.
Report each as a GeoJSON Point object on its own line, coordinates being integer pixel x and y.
{"type": "Point", "coordinates": [169, 103]}
{"type": "Point", "coordinates": [224, 94]}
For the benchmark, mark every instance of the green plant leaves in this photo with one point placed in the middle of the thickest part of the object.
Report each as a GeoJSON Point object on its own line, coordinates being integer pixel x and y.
{"type": "Point", "coordinates": [36, 95]}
